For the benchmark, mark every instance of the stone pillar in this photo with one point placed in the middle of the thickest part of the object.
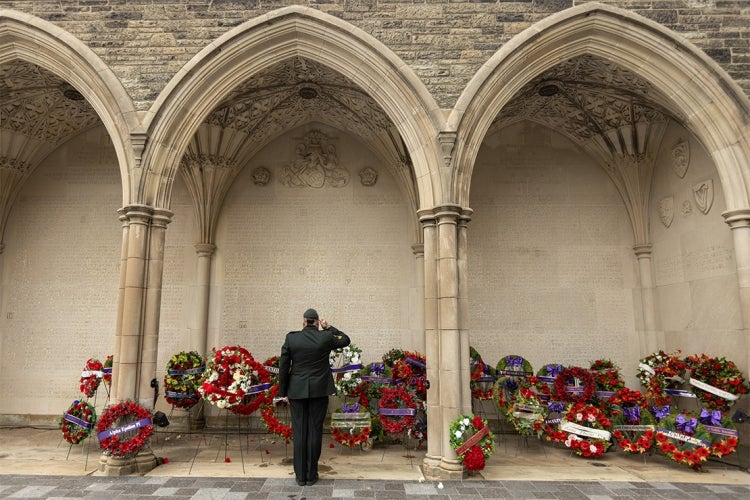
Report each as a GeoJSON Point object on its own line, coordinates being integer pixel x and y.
{"type": "Point", "coordinates": [463, 309]}
{"type": "Point", "coordinates": [152, 311]}
{"type": "Point", "coordinates": [432, 344]}
{"type": "Point", "coordinates": [651, 339]}
{"type": "Point", "coordinates": [113, 396]}
{"type": "Point", "coordinates": [417, 302]}
{"type": "Point", "coordinates": [199, 326]}
{"type": "Point", "coordinates": [739, 222]}
{"type": "Point", "coordinates": [450, 341]}
{"type": "Point", "coordinates": [138, 321]}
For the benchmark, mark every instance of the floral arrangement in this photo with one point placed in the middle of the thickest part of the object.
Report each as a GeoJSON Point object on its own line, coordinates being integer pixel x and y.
{"type": "Point", "coordinates": [91, 377]}
{"type": "Point", "coordinates": [501, 399]}
{"type": "Point", "coordinates": [390, 358]}
{"type": "Point", "coordinates": [545, 377]}
{"type": "Point", "coordinates": [397, 409]}
{"type": "Point", "coordinates": [633, 425]}
{"type": "Point", "coordinates": [527, 413]}
{"type": "Point", "coordinates": [586, 427]}
{"type": "Point", "coordinates": [77, 422]}
{"type": "Point", "coordinates": [658, 372]}
{"type": "Point", "coordinates": [551, 430]}
{"type": "Point", "coordinates": [412, 370]}
{"type": "Point", "coordinates": [472, 440]}
{"type": "Point", "coordinates": [107, 370]}
{"type": "Point", "coordinates": [716, 382]}
{"type": "Point", "coordinates": [482, 378]}
{"type": "Point", "coordinates": [723, 432]}
{"type": "Point", "coordinates": [183, 379]}
{"type": "Point", "coordinates": [682, 438]}
{"type": "Point", "coordinates": [374, 377]}
{"type": "Point", "coordinates": [124, 429]}
{"type": "Point", "coordinates": [350, 426]}
{"type": "Point", "coordinates": [607, 378]}
{"type": "Point", "coordinates": [581, 391]}
{"type": "Point", "coordinates": [235, 381]}
{"type": "Point", "coordinates": [268, 412]}
{"type": "Point", "coordinates": [272, 366]}
{"type": "Point", "coordinates": [346, 365]}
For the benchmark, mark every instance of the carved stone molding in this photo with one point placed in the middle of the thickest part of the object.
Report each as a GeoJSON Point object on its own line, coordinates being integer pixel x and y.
{"type": "Point", "coordinates": [703, 192]}
{"type": "Point", "coordinates": [666, 210]}
{"type": "Point", "coordinates": [368, 176]}
{"type": "Point", "coordinates": [681, 157]}
{"type": "Point", "coordinates": [316, 165]}
{"type": "Point", "coordinates": [261, 176]}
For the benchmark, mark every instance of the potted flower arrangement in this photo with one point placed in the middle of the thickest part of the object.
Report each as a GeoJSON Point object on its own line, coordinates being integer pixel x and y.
{"type": "Point", "coordinates": [472, 440]}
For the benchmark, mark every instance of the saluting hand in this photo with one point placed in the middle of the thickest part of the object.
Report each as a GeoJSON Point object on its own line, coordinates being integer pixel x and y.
{"type": "Point", "coordinates": [324, 324]}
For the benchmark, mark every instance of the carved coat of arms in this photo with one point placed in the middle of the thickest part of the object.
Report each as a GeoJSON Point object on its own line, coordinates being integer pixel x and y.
{"type": "Point", "coordinates": [681, 157]}
{"type": "Point", "coordinates": [703, 192]}
{"type": "Point", "coordinates": [666, 211]}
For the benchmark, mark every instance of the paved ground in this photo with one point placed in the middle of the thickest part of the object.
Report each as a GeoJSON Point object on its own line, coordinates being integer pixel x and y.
{"type": "Point", "coordinates": [37, 463]}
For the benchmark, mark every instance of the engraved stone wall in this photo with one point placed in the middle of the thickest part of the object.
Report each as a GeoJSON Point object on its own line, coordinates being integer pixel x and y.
{"type": "Point", "coordinates": [551, 269]}
{"type": "Point", "coordinates": [61, 272]}
{"type": "Point", "coordinates": [281, 248]}
{"type": "Point", "coordinates": [693, 256]}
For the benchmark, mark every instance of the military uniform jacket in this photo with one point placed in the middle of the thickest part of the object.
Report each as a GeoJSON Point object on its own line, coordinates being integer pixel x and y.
{"type": "Point", "coordinates": [304, 366]}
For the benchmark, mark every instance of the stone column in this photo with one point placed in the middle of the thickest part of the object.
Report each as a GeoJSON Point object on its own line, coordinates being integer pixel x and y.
{"type": "Point", "coordinates": [450, 341]}
{"type": "Point", "coordinates": [113, 396]}
{"type": "Point", "coordinates": [199, 326]}
{"type": "Point", "coordinates": [417, 301]}
{"type": "Point", "coordinates": [432, 344]}
{"type": "Point", "coordinates": [651, 339]}
{"type": "Point", "coordinates": [463, 309]}
{"type": "Point", "coordinates": [739, 222]}
{"type": "Point", "coordinates": [152, 311]}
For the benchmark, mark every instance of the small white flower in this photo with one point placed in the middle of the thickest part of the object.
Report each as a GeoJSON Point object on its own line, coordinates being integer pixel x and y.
{"type": "Point", "coordinates": [466, 422]}
{"type": "Point", "coordinates": [458, 434]}
{"type": "Point", "coordinates": [579, 416]}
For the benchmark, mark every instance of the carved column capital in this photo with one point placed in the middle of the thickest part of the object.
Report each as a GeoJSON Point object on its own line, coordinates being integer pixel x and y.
{"type": "Point", "coordinates": [205, 249]}
{"type": "Point", "coordinates": [737, 218]}
{"type": "Point", "coordinates": [643, 250]}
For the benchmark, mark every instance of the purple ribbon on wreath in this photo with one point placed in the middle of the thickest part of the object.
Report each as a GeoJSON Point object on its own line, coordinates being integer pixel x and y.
{"type": "Point", "coordinates": [710, 418]}
{"type": "Point", "coordinates": [685, 425]}
{"type": "Point", "coordinates": [416, 363]}
{"type": "Point", "coordinates": [377, 368]}
{"type": "Point", "coordinates": [661, 412]}
{"type": "Point", "coordinates": [554, 370]}
{"type": "Point", "coordinates": [511, 384]}
{"type": "Point", "coordinates": [632, 414]}
{"type": "Point", "coordinates": [556, 406]}
{"type": "Point", "coordinates": [514, 362]}
{"type": "Point", "coordinates": [350, 408]}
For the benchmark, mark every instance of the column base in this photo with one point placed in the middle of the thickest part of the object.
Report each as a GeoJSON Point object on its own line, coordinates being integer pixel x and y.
{"type": "Point", "coordinates": [141, 464]}
{"type": "Point", "coordinates": [440, 470]}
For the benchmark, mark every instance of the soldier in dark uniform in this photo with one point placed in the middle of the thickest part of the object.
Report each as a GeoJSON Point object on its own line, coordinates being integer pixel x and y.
{"type": "Point", "coordinates": [306, 381]}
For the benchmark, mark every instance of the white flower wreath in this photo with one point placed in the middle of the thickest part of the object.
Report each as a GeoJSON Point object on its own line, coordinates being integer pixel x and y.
{"type": "Point", "coordinates": [346, 364]}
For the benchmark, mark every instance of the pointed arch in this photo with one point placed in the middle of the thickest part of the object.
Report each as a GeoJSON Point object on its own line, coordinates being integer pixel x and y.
{"type": "Point", "coordinates": [258, 44]}
{"type": "Point", "coordinates": [694, 86]}
{"type": "Point", "coordinates": [29, 38]}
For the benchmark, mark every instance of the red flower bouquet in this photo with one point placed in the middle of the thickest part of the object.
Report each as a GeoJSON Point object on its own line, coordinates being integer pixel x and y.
{"type": "Point", "coordinates": [91, 377]}
{"type": "Point", "coordinates": [717, 382]}
{"type": "Point", "coordinates": [472, 440]}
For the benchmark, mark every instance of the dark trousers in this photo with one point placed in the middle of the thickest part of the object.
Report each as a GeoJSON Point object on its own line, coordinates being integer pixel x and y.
{"type": "Point", "coordinates": [307, 434]}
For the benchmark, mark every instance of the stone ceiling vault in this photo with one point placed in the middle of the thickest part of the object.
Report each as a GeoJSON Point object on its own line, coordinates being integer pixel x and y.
{"type": "Point", "coordinates": [608, 111]}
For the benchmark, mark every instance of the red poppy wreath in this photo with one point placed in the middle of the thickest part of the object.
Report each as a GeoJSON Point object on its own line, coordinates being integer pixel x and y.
{"type": "Point", "coordinates": [124, 429]}
{"type": "Point", "coordinates": [397, 409]}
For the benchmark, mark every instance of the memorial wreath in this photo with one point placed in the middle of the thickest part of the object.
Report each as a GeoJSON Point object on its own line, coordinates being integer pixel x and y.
{"type": "Point", "coordinates": [124, 429]}
{"type": "Point", "coordinates": [183, 379]}
{"type": "Point", "coordinates": [397, 409]}
{"type": "Point", "coordinates": [350, 426]}
{"type": "Point", "coordinates": [346, 366]}
{"type": "Point", "coordinates": [582, 388]}
{"type": "Point", "coordinates": [586, 427]}
{"type": "Point", "coordinates": [235, 381]}
{"type": "Point", "coordinates": [472, 440]}
{"type": "Point", "coordinates": [716, 382]}
{"type": "Point", "coordinates": [77, 422]}
{"type": "Point", "coordinates": [91, 377]}
{"type": "Point", "coordinates": [682, 438]}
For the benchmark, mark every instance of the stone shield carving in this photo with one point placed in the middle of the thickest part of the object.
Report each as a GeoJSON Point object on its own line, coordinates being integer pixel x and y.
{"type": "Point", "coordinates": [681, 157]}
{"type": "Point", "coordinates": [703, 192]}
{"type": "Point", "coordinates": [666, 211]}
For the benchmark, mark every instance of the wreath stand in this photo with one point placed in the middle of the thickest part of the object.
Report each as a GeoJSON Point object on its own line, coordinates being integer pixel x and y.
{"type": "Point", "coordinates": [226, 442]}
{"type": "Point", "coordinates": [93, 424]}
